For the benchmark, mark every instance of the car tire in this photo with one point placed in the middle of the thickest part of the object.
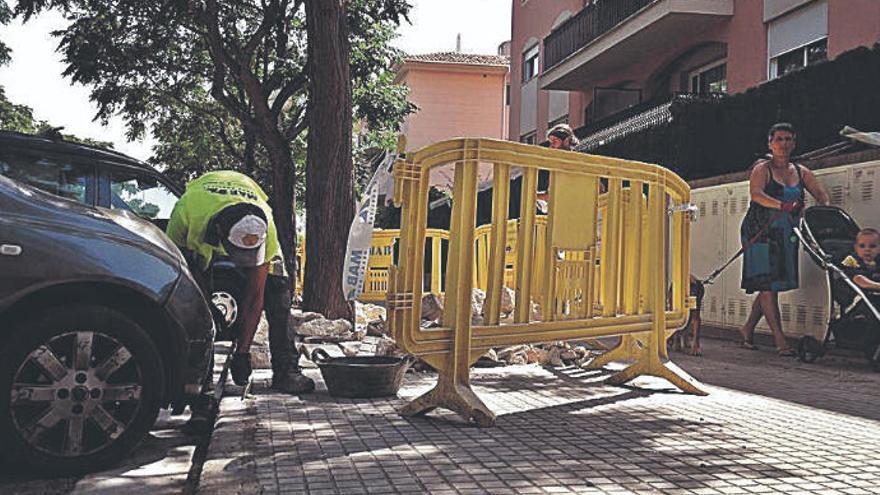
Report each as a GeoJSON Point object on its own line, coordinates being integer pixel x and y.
{"type": "Point", "coordinates": [80, 387]}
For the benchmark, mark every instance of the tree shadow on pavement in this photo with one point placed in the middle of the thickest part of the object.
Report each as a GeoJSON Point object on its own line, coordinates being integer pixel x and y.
{"type": "Point", "coordinates": [836, 383]}
{"type": "Point", "coordinates": [578, 434]}
{"type": "Point", "coordinates": [163, 454]}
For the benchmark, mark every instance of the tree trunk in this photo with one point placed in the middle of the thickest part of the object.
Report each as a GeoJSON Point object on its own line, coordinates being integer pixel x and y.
{"type": "Point", "coordinates": [329, 171]}
{"type": "Point", "coordinates": [283, 198]}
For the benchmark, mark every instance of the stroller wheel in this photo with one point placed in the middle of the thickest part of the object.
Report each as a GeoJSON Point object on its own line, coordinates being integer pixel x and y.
{"type": "Point", "coordinates": [809, 349]}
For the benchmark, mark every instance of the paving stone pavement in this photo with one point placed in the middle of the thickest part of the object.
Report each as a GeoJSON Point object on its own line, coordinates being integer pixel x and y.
{"type": "Point", "coordinates": [769, 425]}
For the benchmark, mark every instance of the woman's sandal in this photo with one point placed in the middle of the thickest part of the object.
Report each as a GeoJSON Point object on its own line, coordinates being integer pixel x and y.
{"type": "Point", "coordinates": [786, 352]}
{"type": "Point", "coordinates": [745, 344]}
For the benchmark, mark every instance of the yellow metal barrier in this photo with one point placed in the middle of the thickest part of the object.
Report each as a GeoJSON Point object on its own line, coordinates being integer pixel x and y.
{"type": "Point", "coordinates": [382, 256]}
{"type": "Point", "coordinates": [482, 245]}
{"type": "Point", "coordinates": [634, 264]}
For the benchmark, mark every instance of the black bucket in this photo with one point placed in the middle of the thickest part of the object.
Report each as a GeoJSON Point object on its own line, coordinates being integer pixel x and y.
{"type": "Point", "coordinates": [361, 377]}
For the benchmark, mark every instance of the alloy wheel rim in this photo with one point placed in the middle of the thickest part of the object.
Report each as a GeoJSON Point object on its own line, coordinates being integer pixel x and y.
{"type": "Point", "coordinates": [227, 305]}
{"type": "Point", "coordinates": [76, 394]}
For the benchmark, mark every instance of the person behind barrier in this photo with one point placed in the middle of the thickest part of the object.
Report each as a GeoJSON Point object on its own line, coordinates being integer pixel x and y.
{"type": "Point", "coordinates": [225, 213]}
{"type": "Point", "coordinates": [770, 262]}
{"type": "Point", "coordinates": [561, 137]}
{"type": "Point", "coordinates": [862, 265]}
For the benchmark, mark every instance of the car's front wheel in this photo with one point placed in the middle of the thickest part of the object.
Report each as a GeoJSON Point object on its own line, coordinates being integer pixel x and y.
{"type": "Point", "coordinates": [80, 386]}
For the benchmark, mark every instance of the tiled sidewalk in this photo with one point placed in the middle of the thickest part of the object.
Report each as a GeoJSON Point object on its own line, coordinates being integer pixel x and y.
{"type": "Point", "coordinates": [562, 431]}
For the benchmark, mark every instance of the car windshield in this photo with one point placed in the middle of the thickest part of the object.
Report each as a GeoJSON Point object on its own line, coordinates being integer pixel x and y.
{"type": "Point", "coordinates": [141, 194]}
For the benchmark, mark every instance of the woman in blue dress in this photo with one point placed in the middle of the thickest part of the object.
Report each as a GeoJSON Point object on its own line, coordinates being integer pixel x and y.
{"type": "Point", "coordinates": [770, 264]}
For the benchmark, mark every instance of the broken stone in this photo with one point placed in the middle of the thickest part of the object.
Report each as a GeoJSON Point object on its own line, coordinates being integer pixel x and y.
{"type": "Point", "coordinates": [491, 354]}
{"type": "Point", "coordinates": [568, 355]}
{"type": "Point", "coordinates": [478, 298]}
{"type": "Point", "coordinates": [518, 358]}
{"type": "Point", "coordinates": [376, 329]}
{"type": "Point", "coordinates": [432, 307]}
{"type": "Point", "coordinates": [261, 337]}
{"type": "Point", "coordinates": [366, 315]}
{"type": "Point", "coordinates": [322, 327]}
{"type": "Point", "coordinates": [537, 356]}
{"type": "Point", "coordinates": [505, 353]}
{"type": "Point", "coordinates": [554, 358]}
{"type": "Point", "coordinates": [508, 300]}
{"type": "Point", "coordinates": [260, 357]}
{"type": "Point", "coordinates": [388, 347]}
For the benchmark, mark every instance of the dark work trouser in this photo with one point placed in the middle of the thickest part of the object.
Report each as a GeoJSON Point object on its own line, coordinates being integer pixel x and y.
{"type": "Point", "coordinates": [276, 303]}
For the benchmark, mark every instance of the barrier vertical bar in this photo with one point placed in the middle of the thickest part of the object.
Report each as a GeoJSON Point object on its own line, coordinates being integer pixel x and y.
{"type": "Point", "coordinates": [610, 248]}
{"type": "Point", "coordinates": [436, 264]}
{"type": "Point", "coordinates": [496, 264]}
{"type": "Point", "coordinates": [525, 245]}
{"type": "Point", "coordinates": [632, 260]}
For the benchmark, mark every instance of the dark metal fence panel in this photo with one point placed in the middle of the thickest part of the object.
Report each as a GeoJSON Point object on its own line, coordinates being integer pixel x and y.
{"type": "Point", "coordinates": [592, 21]}
{"type": "Point", "coordinates": [701, 137]}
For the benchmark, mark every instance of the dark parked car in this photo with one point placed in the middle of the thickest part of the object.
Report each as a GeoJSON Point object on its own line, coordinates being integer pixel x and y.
{"type": "Point", "coordinates": [101, 321]}
{"type": "Point", "coordinates": [109, 179]}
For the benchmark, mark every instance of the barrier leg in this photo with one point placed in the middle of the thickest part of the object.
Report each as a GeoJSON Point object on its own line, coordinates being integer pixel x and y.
{"type": "Point", "coordinates": [653, 361]}
{"type": "Point", "coordinates": [629, 349]}
{"type": "Point", "coordinates": [456, 397]}
{"type": "Point", "coordinates": [652, 366]}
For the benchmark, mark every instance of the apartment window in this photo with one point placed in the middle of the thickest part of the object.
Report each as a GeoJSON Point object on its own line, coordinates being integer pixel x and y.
{"type": "Point", "coordinates": [530, 64]}
{"type": "Point", "coordinates": [507, 94]}
{"type": "Point", "coordinates": [710, 79]}
{"type": "Point", "coordinates": [799, 58]}
{"type": "Point", "coordinates": [797, 39]}
{"type": "Point", "coordinates": [530, 138]}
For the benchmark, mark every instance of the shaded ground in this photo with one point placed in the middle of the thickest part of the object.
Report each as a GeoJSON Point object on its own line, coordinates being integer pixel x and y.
{"type": "Point", "coordinates": [769, 425]}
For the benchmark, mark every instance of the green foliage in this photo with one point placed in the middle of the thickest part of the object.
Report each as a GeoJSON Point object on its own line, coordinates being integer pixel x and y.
{"type": "Point", "coordinates": [5, 17]}
{"type": "Point", "coordinates": [18, 118]}
{"type": "Point", "coordinates": [154, 62]}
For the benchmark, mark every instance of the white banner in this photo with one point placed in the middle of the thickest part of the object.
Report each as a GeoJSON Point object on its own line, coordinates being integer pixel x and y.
{"type": "Point", "coordinates": [357, 252]}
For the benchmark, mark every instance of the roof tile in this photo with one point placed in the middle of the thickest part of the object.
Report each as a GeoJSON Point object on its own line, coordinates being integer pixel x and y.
{"type": "Point", "coordinates": [459, 58]}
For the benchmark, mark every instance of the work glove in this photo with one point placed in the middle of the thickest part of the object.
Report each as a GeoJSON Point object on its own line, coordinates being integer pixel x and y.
{"type": "Point", "coordinates": [791, 206]}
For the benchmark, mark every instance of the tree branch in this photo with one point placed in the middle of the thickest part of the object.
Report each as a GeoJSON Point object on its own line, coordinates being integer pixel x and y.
{"type": "Point", "coordinates": [295, 85]}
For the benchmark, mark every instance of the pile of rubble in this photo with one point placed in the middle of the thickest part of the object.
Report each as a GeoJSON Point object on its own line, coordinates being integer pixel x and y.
{"type": "Point", "coordinates": [370, 337]}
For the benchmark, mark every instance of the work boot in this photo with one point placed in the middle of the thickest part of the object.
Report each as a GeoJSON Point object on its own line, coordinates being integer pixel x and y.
{"type": "Point", "coordinates": [240, 369]}
{"type": "Point", "coordinates": [292, 382]}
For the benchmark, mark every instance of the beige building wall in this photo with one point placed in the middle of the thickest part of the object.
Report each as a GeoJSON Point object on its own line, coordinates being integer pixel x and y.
{"type": "Point", "coordinates": [454, 100]}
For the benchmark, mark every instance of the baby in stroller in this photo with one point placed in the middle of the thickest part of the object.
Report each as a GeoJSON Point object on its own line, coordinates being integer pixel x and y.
{"type": "Point", "coordinates": [861, 266]}
{"type": "Point", "coordinates": [827, 233]}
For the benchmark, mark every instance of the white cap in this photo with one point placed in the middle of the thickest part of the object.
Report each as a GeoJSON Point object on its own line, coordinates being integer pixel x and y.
{"type": "Point", "coordinates": [248, 233]}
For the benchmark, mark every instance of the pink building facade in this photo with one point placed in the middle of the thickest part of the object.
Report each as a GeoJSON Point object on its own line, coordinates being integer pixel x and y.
{"type": "Point", "coordinates": [581, 61]}
{"type": "Point", "coordinates": [457, 95]}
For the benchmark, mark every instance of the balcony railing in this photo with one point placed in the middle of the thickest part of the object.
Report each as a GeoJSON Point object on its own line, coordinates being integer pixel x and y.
{"type": "Point", "coordinates": [636, 118]}
{"type": "Point", "coordinates": [591, 22]}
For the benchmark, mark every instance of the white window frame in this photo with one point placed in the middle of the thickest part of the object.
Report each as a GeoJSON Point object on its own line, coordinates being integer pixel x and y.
{"type": "Point", "coordinates": [773, 63]}
{"type": "Point", "coordinates": [696, 72]}
{"type": "Point", "coordinates": [531, 53]}
{"type": "Point", "coordinates": [525, 138]}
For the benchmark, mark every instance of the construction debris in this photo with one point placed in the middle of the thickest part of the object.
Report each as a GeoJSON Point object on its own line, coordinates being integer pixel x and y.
{"type": "Point", "coordinates": [309, 324]}
{"type": "Point", "coordinates": [432, 307]}
{"type": "Point", "coordinates": [555, 354]}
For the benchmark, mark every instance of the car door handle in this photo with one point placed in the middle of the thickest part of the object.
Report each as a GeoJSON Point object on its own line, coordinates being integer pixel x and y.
{"type": "Point", "coordinates": [10, 250]}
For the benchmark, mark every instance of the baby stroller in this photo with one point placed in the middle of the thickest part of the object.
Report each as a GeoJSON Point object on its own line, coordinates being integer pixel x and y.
{"type": "Point", "coordinates": [827, 234]}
